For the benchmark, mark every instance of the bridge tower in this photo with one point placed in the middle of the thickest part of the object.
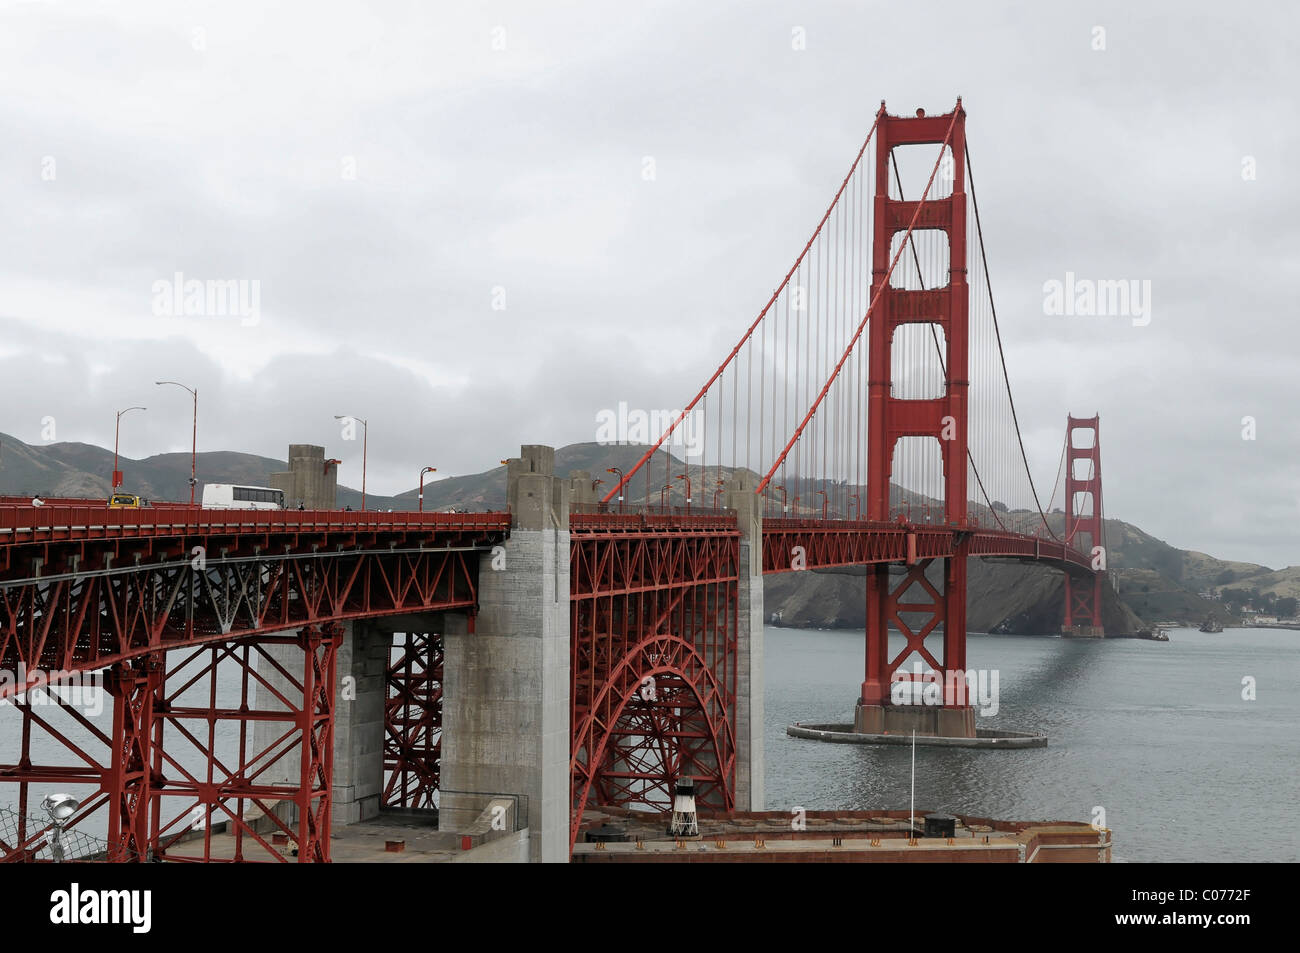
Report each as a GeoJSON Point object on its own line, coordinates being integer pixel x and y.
{"type": "Point", "coordinates": [1083, 596]}
{"type": "Point", "coordinates": [914, 604]}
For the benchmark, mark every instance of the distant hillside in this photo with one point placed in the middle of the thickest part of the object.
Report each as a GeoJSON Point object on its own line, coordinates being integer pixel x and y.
{"type": "Point", "coordinates": [1154, 581]}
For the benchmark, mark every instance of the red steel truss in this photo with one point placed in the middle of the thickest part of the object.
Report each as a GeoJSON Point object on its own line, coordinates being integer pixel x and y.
{"type": "Point", "coordinates": [791, 544]}
{"type": "Point", "coordinates": [161, 776]}
{"type": "Point", "coordinates": [413, 723]}
{"type": "Point", "coordinates": [1083, 597]}
{"type": "Point", "coordinates": [654, 664]}
{"type": "Point", "coordinates": [83, 602]}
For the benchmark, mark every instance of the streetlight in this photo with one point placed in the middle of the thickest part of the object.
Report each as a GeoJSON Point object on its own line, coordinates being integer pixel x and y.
{"type": "Point", "coordinates": [856, 503]}
{"type": "Point", "coordinates": [668, 487]}
{"type": "Point", "coordinates": [683, 476]}
{"type": "Point", "coordinates": [60, 807]}
{"type": "Point", "coordinates": [194, 435]}
{"type": "Point", "coordinates": [620, 485]}
{"type": "Point", "coordinates": [823, 493]}
{"type": "Point", "coordinates": [722, 484]}
{"type": "Point", "coordinates": [784, 506]}
{"type": "Point", "coordinates": [117, 430]}
{"type": "Point", "coordinates": [422, 473]}
{"type": "Point", "coordinates": [365, 441]}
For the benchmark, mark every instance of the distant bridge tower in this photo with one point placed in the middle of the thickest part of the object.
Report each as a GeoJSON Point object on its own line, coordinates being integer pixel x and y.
{"type": "Point", "coordinates": [1083, 493]}
{"type": "Point", "coordinates": [915, 605]}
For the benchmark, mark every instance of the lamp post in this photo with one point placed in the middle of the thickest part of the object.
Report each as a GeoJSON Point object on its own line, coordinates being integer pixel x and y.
{"type": "Point", "coordinates": [194, 433]}
{"type": "Point", "coordinates": [619, 472]}
{"type": "Point", "coordinates": [683, 476]}
{"type": "Point", "coordinates": [59, 807]}
{"type": "Point", "coordinates": [365, 441]}
{"type": "Point", "coordinates": [721, 486]}
{"type": "Point", "coordinates": [856, 503]}
{"type": "Point", "coordinates": [784, 506]}
{"type": "Point", "coordinates": [823, 493]}
{"type": "Point", "coordinates": [422, 473]}
{"type": "Point", "coordinates": [667, 487]}
{"type": "Point", "coordinates": [117, 431]}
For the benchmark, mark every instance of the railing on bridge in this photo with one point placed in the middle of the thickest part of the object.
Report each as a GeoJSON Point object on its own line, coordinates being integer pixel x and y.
{"type": "Point", "coordinates": [57, 520]}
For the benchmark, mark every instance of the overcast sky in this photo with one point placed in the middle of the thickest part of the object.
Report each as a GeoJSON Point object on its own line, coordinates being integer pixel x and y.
{"type": "Point", "coordinates": [385, 170]}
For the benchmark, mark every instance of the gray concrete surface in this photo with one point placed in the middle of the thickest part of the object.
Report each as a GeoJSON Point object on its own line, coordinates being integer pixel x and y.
{"type": "Point", "coordinates": [506, 685]}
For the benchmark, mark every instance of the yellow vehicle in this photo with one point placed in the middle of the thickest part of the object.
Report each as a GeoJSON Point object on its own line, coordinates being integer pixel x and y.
{"type": "Point", "coordinates": [124, 501]}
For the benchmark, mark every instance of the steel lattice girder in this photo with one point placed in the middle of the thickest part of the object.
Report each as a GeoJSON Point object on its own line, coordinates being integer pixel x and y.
{"type": "Point", "coordinates": [823, 544]}
{"type": "Point", "coordinates": [916, 608]}
{"type": "Point", "coordinates": [89, 621]}
{"type": "Point", "coordinates": [654, 666]}
{"type": "Point", "coordinates": [413, 723]}
{"type": "Point", "coordinates": [140, 773]}
{"type": "Point", "coordinates": [1083, 601]}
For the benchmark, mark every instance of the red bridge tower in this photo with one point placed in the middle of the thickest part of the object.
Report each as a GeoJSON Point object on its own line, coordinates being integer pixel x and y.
{"type": "Point", "coordinates": [1083, 596]}
{"type": "Point", "coordinates": [915, 605]}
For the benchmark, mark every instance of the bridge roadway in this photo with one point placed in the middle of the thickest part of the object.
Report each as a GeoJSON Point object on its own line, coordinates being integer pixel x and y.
{"type": "Point", "coordinates": [318, 566]}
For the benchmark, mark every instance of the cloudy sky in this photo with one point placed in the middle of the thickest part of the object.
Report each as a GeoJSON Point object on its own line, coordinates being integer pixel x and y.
{"type": "Point", "coordinates": [388, 171]}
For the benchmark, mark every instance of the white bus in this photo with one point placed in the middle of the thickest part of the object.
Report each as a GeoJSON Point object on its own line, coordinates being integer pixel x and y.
{"type": "Point", "coordinates": [228, 496]}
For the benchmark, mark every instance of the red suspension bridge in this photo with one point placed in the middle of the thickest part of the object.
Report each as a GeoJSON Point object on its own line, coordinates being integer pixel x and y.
{"type": "Point", "coordinates": [864, 418]}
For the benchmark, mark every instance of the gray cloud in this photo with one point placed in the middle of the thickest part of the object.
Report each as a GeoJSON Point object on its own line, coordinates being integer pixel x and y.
{"type": "Point", "coordinates": [520, 169]}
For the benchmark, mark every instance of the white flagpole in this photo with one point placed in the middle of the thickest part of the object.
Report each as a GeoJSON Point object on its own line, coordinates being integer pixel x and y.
{"type": "Point", "coordinates": [911, 814]}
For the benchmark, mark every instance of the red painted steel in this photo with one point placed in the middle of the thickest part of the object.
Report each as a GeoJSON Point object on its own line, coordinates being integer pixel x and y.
{"type": "Point", "coordinates": [160, 777]}
{"type": "Point", "coordinates": [1083, 597]}
{"type": "Point", "coordinates": [858, 543]}
{"type": "Point", "coordinates": [128, 783]}
{"type": "Point", "coordinates": [413, 723]}
{"type": "Point", "coordinates": [890, 418]}
{"type": "Point", "coordinates": [653, 662]}
{"type": "Point", "coordinates": [81, 588]}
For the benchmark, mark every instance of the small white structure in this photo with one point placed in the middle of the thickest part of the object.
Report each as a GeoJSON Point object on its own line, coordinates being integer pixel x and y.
{"type": "Point", "coordinates": [684, 822]}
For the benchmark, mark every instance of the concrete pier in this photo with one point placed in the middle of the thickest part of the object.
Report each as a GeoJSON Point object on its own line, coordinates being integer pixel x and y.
{"type": "Point", "coordinates": [359, 722]}
{"type": "Point", "coordinates": [923, 719]}
{"type": "Point", "coordinates": [358, 770]}
{"type": "Point", "coordinates": [310, 480]}
{"type": "Point", "coordinates": [506, 684]}
{"type": "Point", "coordinates": [749, 645]}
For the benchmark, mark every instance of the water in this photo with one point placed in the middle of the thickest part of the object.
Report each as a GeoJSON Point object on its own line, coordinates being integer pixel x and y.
{"type": "Point", "coordinates": [1156, 734]}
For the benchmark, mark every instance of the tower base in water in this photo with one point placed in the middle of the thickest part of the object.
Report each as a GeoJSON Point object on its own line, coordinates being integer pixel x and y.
{"type": "Point", "coordinates": [930, 720]}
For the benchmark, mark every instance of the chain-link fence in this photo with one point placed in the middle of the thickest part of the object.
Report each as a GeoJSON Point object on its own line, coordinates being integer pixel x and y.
{"type": "Point", "coordinates": [40, 842]}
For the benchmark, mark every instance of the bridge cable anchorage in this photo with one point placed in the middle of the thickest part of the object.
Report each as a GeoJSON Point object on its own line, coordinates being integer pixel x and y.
{"type": "Point", "coordinates": [746, 337]}
{"type": "Point", "coordinates": [870, 307]}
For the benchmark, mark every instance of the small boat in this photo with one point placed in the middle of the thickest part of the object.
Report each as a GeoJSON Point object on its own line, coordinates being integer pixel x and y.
{"type": "Point", "coordinates": [1211, 624]}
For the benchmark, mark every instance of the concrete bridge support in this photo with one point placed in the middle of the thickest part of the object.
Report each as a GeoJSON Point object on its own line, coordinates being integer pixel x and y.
{"type": "Point", "coordinates": [359, 722]}
{"type": "Point", "coordinates": [358, 765]}
{"type": "Point", "coordinates": [506, 675]}
{"type": "Point", "coordinates": [749, 645]}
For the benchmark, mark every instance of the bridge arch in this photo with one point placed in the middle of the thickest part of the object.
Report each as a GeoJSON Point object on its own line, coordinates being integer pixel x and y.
{"type": "Point", "coordinates": [682, 725]}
